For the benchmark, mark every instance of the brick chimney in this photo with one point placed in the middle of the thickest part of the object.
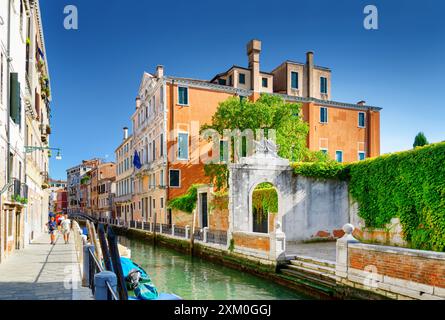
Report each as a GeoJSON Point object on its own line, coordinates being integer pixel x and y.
{"type": "Point", "coordinates": [125, 133]}
{"type": "Point", "coordinates": [159, 71]}
{"type": "Point", "coordinates": [310, 72]}
{"type": "Point", "coordinates": [253, 53]}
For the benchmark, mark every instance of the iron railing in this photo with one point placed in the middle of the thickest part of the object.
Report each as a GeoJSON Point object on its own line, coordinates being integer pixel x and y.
{"type": "Point", "coordinates": [217, 236]}
{"type": "Point", "coordinates": [95, 267]}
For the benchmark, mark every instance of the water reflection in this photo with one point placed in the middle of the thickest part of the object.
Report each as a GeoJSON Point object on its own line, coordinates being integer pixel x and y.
{"type": "Point", "coordinates": [195, 278]}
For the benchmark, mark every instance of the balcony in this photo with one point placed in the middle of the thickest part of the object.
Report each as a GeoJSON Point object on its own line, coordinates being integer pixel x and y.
{"type": "Point", "coordinates": [45, 178]}
{"type": "Point", "coordinates": [18, 192]}
{"type": "Point", "coordinates": [45, 130]}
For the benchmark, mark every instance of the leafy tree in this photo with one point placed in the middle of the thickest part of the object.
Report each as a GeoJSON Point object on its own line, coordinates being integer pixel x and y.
{"type": "Point", "coordinates": [268, 112]}
{"type": "Point", "coordinates": [420, 140]}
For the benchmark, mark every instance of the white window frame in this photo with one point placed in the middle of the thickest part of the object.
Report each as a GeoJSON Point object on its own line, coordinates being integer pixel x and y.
{"type": "Point", "coordinates": [321, 88]}
{"type": "Point", "coordinates": [188, 97]}
{"type": "Point", "coordinates": [298, 80]}
{"type": "Point", "coordinates": [342, 158]}
{"type": "Point", "coordinates": [327, 115]}
{"type": "Point", "coordinates": [188, 147]}
{"type": "Point", "coordinates": [358, 155]}
{"type": "Point", "coordinates": [169, 180]}
{"type": "Point", "coordinates": [364, 119]}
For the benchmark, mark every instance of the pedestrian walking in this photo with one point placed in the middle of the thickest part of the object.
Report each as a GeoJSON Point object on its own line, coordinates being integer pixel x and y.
{"type": "Point", "coordinates": [66, 228]}
{"type": "Point", "coordinates": [52, 228]}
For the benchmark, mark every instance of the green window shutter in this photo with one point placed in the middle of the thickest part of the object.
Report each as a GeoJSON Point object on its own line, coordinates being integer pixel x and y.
{"type": "Point", "coordinates": [14, 106]}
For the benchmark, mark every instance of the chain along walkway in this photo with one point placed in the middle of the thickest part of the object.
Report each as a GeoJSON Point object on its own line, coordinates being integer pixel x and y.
{"type": "Point", "coordinates": [43, 272]}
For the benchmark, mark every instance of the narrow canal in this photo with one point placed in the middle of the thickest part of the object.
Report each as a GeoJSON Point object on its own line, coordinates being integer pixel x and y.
{"type": "Point", "coordinates": [194, 278]}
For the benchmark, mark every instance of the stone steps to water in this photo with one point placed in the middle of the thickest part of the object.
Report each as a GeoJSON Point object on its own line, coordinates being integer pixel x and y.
{"type": "Point", "coordinates": [309, 277]}
{"type": "Point", "coordinates": [307, 266]}
{"type": "Point", "coordinates": [312, 260]}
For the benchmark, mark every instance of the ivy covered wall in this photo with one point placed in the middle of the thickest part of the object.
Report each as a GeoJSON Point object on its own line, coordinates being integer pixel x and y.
{"type": "Point", "coordinates": [409, 185]}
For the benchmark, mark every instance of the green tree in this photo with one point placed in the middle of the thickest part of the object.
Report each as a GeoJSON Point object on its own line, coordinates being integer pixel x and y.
{"type": "Point", "coordinates": [420, 140]}
{"type": "Point", "coordinates": [268, 112]}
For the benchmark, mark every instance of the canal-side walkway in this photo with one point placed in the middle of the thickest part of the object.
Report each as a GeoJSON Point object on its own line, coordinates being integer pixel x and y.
{"type": "Point", "coordinates": [43, 272]}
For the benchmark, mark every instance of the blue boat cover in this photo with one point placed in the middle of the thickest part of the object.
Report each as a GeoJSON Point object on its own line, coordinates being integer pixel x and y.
{"type": "Point", "coordinates": [146, 289]}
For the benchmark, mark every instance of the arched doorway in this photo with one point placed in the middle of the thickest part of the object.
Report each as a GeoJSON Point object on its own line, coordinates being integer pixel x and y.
{"type": "Point", "coordinates": [264, 207]}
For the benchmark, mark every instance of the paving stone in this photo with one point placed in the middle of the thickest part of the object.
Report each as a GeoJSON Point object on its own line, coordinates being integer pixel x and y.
{"type": "Point", "coordinates": [40, 271]}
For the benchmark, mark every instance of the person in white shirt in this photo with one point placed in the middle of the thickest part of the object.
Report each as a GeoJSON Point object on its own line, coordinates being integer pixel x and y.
{"type": "Point", "coordinates": [66, 228]}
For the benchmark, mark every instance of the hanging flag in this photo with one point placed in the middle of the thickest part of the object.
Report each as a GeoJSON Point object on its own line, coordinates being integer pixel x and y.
{"type": "Point", "coordinates": [137, 160]}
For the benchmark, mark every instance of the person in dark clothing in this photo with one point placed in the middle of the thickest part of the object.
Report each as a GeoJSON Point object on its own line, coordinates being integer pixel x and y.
{"type": "Point", "coordinates": [52, 228]}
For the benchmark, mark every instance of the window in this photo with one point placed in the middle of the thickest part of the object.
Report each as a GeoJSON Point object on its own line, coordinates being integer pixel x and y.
{"type": "Point", "coordinates": [161, 178]}
{"type": "Point", "coordinates": [162, 203]}
{"type": "Point", "coordinates": [324, 150]}
{"type": "Point", "coordinates": [183, 146]}
{"type": "Point", "coordinates": [294, 80]}
{"type": "Point", "coordinates": [361, 155]}
{"type": "Point", "coordinates": [223, 151]}
{"type": "Point", "coordinates": [154, 203]}
{"type": "Point", "coordinates": [361, 119]}
{"type": "Point", "coordinates": [323, 85]}
{"type": "Point", "coordinates": [175, 178]}
{"type": "Point", "coordinates": [242, 78]}
{"type": "Point", "coordinates": [161, 145]}
{"type": "Point", "coordinates": [264, 82]}
{"type": "Point", "coordinates": [222, 82]}
{"type": "Point", "coordinates": [323, 115]}
{"type": "Point", "coordinates": [339, 156]}
{"type": "Point", "coordinates": [230, 80]}
{"type": "Point", "coordinates": [183, 95]}
{"type": "Point", "coordinates": [154, 150]}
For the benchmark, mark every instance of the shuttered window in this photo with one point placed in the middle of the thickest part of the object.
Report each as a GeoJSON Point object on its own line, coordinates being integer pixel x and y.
{"type": "Point", "coordinates": [15, 109]}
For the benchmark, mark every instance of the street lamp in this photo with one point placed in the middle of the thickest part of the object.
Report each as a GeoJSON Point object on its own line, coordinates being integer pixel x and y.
{"type": "Point", "coordinates": [29, 149]}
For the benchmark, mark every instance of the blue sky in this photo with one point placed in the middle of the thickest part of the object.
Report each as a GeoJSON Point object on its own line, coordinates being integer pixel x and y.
{"type": "Point", "coordinates": [95, 70]}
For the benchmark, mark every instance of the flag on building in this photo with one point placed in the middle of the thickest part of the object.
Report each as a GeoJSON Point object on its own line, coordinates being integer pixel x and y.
{"type": "Point", "coordinates": [137, 160]}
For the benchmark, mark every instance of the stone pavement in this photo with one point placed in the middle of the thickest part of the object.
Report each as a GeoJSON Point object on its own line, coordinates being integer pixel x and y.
{"type": "Point", "coordinates": [318, 250]}
{"type": "Point", "coordinates": [43, 272]}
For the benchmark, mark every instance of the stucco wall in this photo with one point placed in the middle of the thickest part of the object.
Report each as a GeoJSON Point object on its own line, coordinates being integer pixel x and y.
{"type": "Point", "coordinates": [319, 209]}
{"type": "Point", "coordinates": [307, 208]}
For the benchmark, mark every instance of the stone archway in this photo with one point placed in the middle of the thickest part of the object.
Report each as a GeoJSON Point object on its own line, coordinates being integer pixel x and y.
{"type": "Point", "coordinates": [264, 166]}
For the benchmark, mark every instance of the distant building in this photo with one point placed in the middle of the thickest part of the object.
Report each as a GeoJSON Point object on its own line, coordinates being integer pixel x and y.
{"type": "Point", "coordinates": [124, 178]}
{"type": "Point", "coordinates": [74, 176]}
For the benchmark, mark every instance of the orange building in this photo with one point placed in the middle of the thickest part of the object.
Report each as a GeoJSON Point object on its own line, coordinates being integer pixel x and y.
{"type": "Point", "coordinates": [170, 110]}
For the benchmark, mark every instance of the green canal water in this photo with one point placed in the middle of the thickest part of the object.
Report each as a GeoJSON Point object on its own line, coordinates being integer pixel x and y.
{"type": "Point", "coordinates": [194, 278]}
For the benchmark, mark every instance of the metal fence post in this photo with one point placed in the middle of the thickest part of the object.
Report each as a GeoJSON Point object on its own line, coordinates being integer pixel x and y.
{"type": "Point", "coordinates": [100, 283]}
{"type": "Point", "coordinates": [86, 264]}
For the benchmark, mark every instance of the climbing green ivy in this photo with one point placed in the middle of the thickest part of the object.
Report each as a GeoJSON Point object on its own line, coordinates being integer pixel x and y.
{"type": "Point", "coordinates": [185, 202]}
{"type": "Point", "coordinates": [325, 170]}
{"type": "Point", "coordinates": [409, 185]}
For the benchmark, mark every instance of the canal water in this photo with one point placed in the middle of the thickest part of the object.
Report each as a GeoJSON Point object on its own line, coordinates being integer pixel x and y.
{"type": "Point", "coordinates": [194, 278]}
